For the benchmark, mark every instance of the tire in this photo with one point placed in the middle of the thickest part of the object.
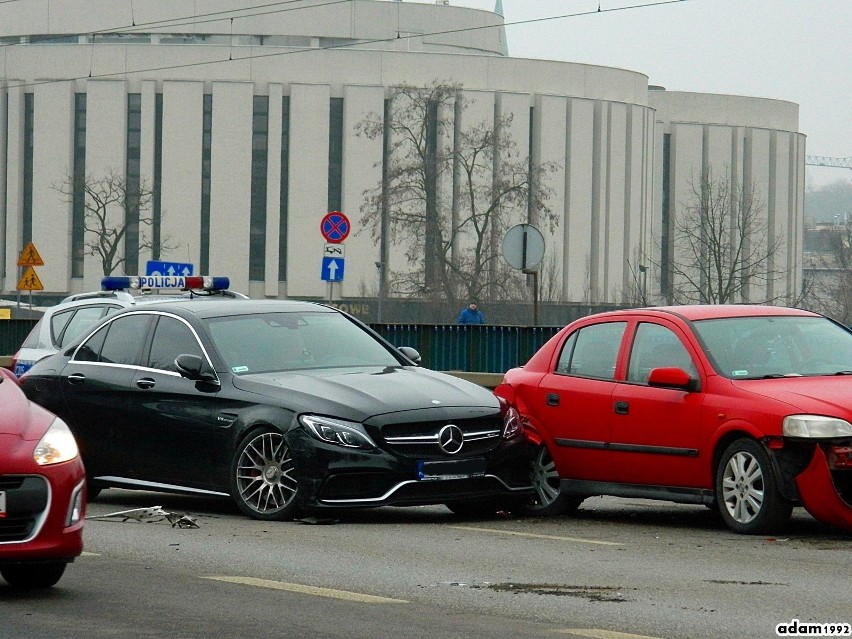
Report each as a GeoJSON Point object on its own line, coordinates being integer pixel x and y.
{"type": "Point", "coordinates": [747, 491]}
{"type": "Point", "coordinates": [549, 499]}
{"type": "Point", "coordinates": [263, 482]}
{"type": "Point", "coordinates": [34, 575]}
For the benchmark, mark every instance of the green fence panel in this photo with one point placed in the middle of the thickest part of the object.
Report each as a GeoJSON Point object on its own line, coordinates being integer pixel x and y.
{"type": "Point", "coordinates": [12, 334]}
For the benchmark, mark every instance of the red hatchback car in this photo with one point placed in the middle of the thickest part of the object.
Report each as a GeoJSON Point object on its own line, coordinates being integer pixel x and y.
{"type": "Point", "coordinates": [42, 491]}
{"type": "Point", "coordinates": [747, 409]}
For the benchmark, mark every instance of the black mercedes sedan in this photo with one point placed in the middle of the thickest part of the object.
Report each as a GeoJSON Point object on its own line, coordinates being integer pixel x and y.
{"type": "Point", "coordinates": [287, 407]}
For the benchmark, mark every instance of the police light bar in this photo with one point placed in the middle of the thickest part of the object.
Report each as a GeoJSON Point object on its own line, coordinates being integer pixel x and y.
{"type": "Point", "coordinates": [120, 283]}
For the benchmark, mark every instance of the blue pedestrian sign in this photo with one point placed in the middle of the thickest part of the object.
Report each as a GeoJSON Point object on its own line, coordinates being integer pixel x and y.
{"type": "Point", "coordinates": [155, 267]}
{"type": "Point", "coordinates": [332, 269]}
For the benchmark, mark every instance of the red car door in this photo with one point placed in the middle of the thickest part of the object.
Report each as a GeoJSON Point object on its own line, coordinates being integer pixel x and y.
{"type": "Point", "coordinates": [573, 402]}
{"type": "Point", "coordinates": [655, 432]}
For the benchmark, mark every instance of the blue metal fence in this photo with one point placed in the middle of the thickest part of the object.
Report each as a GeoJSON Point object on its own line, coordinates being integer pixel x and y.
{"type": "Point", "coordinates": [471, 348]}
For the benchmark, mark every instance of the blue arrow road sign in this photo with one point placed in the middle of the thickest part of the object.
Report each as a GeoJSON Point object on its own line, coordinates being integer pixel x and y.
{"type": "Point", "coordinates": [155, 267]}
{"type": "Point", "coordinates": [332, 269]}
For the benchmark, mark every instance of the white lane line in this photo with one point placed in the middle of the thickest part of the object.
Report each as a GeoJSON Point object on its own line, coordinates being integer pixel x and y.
{"type": "Point", "coordinates": [308, 590]}
{"type": "Point", "coordinates": [600, 634]}
{"type": "Point", "coordinates": [536, 536]}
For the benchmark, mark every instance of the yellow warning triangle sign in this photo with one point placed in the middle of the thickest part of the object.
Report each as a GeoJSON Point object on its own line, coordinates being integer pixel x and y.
{"type": "Point", "coordinates": [29, 281]}
{"type": "Point", "coordinates": [30, 257]}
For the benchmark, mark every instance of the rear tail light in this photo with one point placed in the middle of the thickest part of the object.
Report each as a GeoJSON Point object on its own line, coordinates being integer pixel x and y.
{"type": "Point", "coordinates": [512, 424]}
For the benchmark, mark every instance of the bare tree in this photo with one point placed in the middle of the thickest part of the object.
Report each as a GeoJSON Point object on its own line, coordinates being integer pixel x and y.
{"type": "Point", "coordinates": [722, 250]}
{"type": "Point", "coordinates": [827, 287]}
{"type": "Point", "coordinates": [114, 208]}
{"type": "Point", "coordinates": [451, 237]}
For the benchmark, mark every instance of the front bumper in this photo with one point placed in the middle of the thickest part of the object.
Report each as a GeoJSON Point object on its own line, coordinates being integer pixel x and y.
{"type": "Point", "coordinates": [36, 526]}
{"type": "Point", "coordinates": [336, 477]}
{"type": "Point", "coordinates": [819, 494]}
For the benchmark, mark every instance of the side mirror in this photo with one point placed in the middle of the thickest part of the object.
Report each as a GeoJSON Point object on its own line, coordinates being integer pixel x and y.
{"type": "Point", "coordinates": [192, 367]}
{"type": "Point", "coordinates": [410, 353]}
{"type": "Point", "coordinates": [672, 377]}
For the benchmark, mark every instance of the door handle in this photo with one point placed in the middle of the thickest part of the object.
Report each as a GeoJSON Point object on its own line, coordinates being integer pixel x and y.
{"type": "Point", "coordinates": [553, 399]}
{"type": "Point", "coordinates": [76, 378]}
{"type": "Point", "coordinates": [146, 383]}
{"type": "Point", "coordinates": [622, 408]}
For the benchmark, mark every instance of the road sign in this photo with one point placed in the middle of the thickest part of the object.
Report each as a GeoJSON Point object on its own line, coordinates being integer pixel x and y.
{"type": "Point", "coordinates": [155, 267]}
{"type": "Point", "coordinates": [332, 269]}
{"type": "Point", "coordinates": [523, 247]}
{"type": "Point", "coordinates": [29, 281]}
{"type": "Point", "coordinates": [30, 257]}
{"type": "Point", "coordinates": [334, 250]}
{"type": "Point", "coordinates": [334, 227]}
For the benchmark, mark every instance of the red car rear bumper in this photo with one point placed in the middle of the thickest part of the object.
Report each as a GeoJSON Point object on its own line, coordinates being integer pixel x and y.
{"type": "Point", "coordinates": [819, 495]}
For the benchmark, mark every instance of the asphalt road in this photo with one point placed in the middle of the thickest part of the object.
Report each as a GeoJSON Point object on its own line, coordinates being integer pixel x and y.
{"type": "Point", "coordinates": [620, 569]}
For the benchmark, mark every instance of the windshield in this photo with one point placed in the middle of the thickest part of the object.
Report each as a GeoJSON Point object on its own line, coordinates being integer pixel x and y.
{"type": "Point", "coordinates": [268, 342]}
{"type": "Point", "coordinates": [761, 347]}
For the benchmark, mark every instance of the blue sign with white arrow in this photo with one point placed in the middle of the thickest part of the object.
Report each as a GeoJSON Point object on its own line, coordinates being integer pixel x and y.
{"type": "Point", "coordinates": [332, 269]}
{"type": "Point", "coordinates": [155, 267]}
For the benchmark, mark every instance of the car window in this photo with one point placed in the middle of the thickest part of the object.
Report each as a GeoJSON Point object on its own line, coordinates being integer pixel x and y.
{"type": "Point", "coordinates": [57, 324]}
{"type": "Point", "coordinates": [90, 351]}
{"type": "Point", "coordinates": [82, 320]}
{"type": "Point", "coordinates": [656, 346]}
{"type": "Point", "coordinates": [124, 340]}
{"type": "Point", "coordinates": [31, 340]}
{"type": "Point", "coordinates": [172, 338]}
{"type": "Point", "coordinates": [595, 351]}
{"type": "Point", "coordinates": [265, 342]}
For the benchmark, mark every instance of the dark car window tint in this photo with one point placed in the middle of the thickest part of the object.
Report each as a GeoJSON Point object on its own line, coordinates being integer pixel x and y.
{"type": "Point", "coordinates": [172, 338]}
{"type": "Point", "coordinates": [596, 350]}
{"type": "Point", "coordinates": [57, 324]}
{"type": "Point", "coordinates": [90, 351]}
{"type": "Point", "coordinates": [656, 346]}
{"type": "Point", "coordinates": [124, 340]}
{"type": "Point", "coordinates": [83, 319]}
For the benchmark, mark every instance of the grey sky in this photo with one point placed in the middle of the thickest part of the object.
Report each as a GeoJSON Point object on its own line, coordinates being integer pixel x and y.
{"type": "Point", "coordinates": [796, 50]}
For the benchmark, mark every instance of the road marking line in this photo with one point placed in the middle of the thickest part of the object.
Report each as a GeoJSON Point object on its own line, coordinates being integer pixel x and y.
{"type": "Point", "coordinates": [90, 554]}
{"type": "Point", "coordinates": [536, 536]}
{"type": "Point", "coordinates": [308, 590]}
{"type": "Point", "coordinates": [600, 634]}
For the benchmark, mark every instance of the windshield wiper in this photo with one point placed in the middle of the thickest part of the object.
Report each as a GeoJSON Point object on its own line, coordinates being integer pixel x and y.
{"type": "Point", "coordinates": [843, 373]}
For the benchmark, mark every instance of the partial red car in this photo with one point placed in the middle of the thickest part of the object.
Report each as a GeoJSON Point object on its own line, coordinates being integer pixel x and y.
{"type": "Point", "coordinates": [742, 408]}
{"type": "Point", "coordinates": [42, 491]}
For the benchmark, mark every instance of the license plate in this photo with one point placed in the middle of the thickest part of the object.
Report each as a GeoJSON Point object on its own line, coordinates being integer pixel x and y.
{"type": "Point", "coordinates": [2, 504]}
{"type": "Point", "coordinates": [455, 469]}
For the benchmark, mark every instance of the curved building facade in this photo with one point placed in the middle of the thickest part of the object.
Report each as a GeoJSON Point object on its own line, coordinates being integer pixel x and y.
{"type": "Point", "coordinates": [239, 121]}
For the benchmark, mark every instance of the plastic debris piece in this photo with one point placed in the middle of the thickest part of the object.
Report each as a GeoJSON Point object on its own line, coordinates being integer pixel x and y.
{"type": "Point", "coordinates": [151, 515]}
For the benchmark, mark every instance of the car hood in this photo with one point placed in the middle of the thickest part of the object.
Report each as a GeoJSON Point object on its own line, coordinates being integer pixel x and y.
{"type": "Point", "coordinates": [816, 395]}
{"type": "Point", "coordinates": [21, 418]}
{"type": "Point", "coordinates": [367, 392]}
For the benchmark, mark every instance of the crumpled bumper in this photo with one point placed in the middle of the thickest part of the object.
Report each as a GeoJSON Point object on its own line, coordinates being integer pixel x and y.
{"type": "Point", "coordinates": [819, 495]}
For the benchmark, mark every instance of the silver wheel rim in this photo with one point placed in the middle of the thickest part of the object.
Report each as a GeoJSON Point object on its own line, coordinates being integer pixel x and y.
{"type": "Point", "coordinates": [265, 473]}
{"type": "Point", "coordinates": [545, 478]}
{"type": "Point", "coordinates": [742, 487]}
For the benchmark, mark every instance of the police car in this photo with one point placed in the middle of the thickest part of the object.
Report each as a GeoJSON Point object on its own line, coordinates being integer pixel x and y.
{"type": "Point", "coordinates": [73, 316]}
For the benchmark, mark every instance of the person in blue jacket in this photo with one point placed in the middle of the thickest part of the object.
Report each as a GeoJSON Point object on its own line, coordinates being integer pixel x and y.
{"type": "Point", "coordinates": [471, 315]}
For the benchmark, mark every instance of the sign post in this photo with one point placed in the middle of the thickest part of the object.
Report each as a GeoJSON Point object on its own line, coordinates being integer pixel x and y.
{"type": "Point", "coordinates": [29, 281]}
{"type": "Point", "coordinates": [523, 249]}
{"type": "Point", "coordinates": [334, 228]}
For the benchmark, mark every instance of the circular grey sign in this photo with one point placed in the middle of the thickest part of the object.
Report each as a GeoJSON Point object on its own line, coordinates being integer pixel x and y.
{"type": "Point", "coordinates": [523, 247]}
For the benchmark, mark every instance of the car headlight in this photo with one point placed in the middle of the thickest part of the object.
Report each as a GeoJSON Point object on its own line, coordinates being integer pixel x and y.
{"type": "Point", "coordinates": [816, 427]}
{"type": "Point", "coordinates": [57, 445]}
{"type": "Point", "coordinates": [337, 431]}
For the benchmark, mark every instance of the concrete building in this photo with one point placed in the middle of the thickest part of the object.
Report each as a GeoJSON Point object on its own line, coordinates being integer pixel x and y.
{"type": "Point", "coordinates": [240, 117]}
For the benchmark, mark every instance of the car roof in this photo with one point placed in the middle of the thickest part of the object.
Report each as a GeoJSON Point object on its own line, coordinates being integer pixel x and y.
{"type": "Point", "coordinates": [694, 312]}
{"type": "Point", "coordinates": [220, 308]}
